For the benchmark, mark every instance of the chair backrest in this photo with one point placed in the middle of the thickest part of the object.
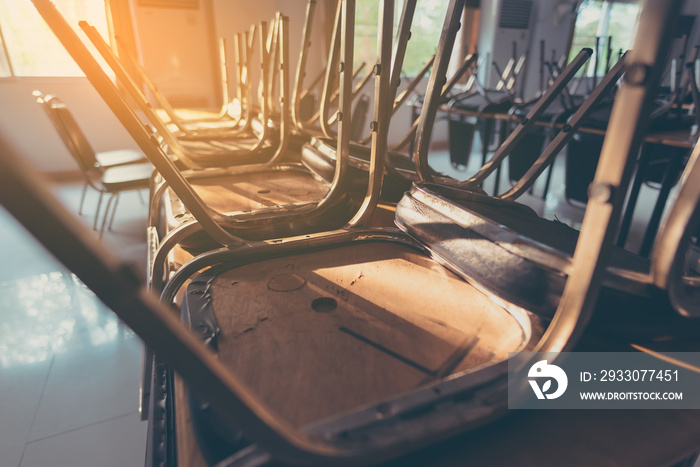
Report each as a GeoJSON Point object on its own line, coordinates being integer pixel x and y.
{"type": "Point", "coordinates": [71, 134]}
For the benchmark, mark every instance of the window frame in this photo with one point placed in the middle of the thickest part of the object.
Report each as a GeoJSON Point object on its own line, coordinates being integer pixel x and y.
{"type": "Point", "coordinates": [12, 76]}
{"type": "Point", "coordinates": [602, 32]}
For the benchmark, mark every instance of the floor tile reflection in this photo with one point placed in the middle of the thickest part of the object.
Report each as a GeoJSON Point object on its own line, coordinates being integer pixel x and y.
{"type": "Point", "coordinates": [94, 380]}
{"type": "Point", "coordinates": [110, 443]}
{"type": "Point", "coordinates": [20, 393]}
{"type": "Point", "coordinates": [11, 457]}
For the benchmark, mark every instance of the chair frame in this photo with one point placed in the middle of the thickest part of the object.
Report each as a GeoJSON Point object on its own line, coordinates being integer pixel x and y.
{"type": "Point", "coordinates": [188, 157]}
{"type": "Point", "coordinates": [79, 147]}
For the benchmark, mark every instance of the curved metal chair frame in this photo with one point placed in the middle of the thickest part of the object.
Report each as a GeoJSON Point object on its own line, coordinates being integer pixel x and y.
{"type": "Point", "coordinates": [187, 124]}
{"type": "Point", "coordinates": [191, 159]}
{"type": "Point", "coordinates": [669, 269]}
{"type": "Point", "coordinates": [324, 148]}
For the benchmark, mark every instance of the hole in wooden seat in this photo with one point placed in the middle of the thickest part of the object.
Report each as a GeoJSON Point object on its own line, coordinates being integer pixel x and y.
{"type": "Point", "coordinates": [324, 304]}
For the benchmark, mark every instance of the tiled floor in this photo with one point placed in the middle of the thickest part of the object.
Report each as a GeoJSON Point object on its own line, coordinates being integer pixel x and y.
{"type": "Point", "coordinates": [69, 370]}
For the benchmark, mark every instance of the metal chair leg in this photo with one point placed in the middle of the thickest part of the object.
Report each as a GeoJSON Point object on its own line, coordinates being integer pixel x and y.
{"type": "Point", "coordinates": [114, 211]}
{"type": "Point", "coordinates": [548, 181]}
{"type": "Point", "coordinates": [97, 211]}
{"type": "Point", "coordinates": [145, 384]}
{"type": "Point", "coordinates": [106, 215]}
{"type": "Point", "coordinates": [82, 199]}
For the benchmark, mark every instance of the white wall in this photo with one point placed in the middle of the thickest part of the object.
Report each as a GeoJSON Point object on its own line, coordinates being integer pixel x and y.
{"type": "Point", "coordinates": [550, 20]}
{"type": "Point", "coordinates": [487, 37]}
{"type": "Point", "coordinates": [178, 50]}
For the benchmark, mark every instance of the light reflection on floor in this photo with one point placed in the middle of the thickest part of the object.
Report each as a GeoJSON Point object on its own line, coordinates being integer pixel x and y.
{"type": "Point", "coordinates": [44, 313]}
{"type": "Point", "coordinates": [69, 370]}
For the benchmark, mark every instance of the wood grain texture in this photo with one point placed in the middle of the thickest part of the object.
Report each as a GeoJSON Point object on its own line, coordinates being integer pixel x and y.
{"type": "Point", "coordinates": [356, 325]}
{"type": "Point", "coordinates": [237, 193]}
{"type": "Point", "coordinates": [548, 232]}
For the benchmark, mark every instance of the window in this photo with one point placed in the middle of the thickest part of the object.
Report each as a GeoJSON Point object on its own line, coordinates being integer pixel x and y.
{"type": "Point", "coordinates": [604, 19]}
{"type": "Point", "coordinates": [425, 32]}
{"type": "Point", "coordinates": [29, 48]}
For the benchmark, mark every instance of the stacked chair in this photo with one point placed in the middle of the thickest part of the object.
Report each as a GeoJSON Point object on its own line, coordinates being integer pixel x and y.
{"type": "Point", "coordinates": [273, 190]}
{"type": "Point", "coordinates": [484, 101]}
{"type": "Point", "coordinates": [193, 122]}
{"type": "Point", "coordinates": [356, 345]}
{"type": "Point", "coordinates": [196, 149]}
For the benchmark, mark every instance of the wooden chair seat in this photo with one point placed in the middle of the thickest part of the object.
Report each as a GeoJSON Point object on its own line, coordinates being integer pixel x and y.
{"type": "Point", "coordinates": [119, 157]}
{"type": "Point", "coordinates": [227, 152]}
{"type": "Point", "coordinates": [252, 190]}
{"type": "Point", "coordinates": [506, 247]}
{"type": "Point", "coordinates": [320, 156]}
{"type": "Point", "coordinates": [233, 193]}
{"type": "Point", "coordinates": [127, 177]}
{"type": "Point", "coordinates": [321, 333]}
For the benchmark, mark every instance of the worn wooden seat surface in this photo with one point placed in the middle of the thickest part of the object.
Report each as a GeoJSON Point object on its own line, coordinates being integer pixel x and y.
{"type": "Point", "coordinates": [317, 334]}
{"type": "Point", "coordinates": [506, 248]}
{"type": "Point", "coordinates": [552, 233]}
{"type": "Point", "coordinates": [206, 146]}
{"type": "Point", "coordinates": [235, 193]}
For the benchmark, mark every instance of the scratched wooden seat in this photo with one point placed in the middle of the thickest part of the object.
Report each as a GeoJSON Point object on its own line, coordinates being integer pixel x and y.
{"type": "Point", "coordinates": [324, 331]}
{"type": "Point", "coordinates": [251, 189]}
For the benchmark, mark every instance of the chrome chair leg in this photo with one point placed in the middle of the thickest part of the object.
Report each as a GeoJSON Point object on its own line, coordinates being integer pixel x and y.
{"type": "Point", "coordinates": [106, 215]}
{"type": "Point", "coordinates": [82, 199]}
{"type": "Point", "coordinates": [114, 211]}
{"type": "Point", "coordinates": [97, 211]}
